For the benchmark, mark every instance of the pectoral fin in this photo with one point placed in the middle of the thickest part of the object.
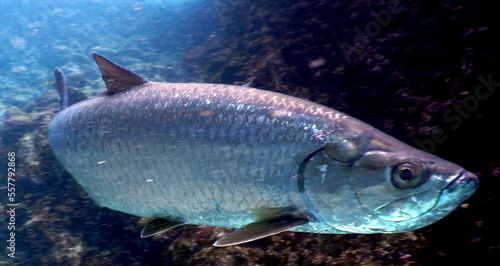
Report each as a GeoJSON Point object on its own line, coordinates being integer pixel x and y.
{"type": "Point", "coordinates": [158, 226]}
{"type": "Point", "coordinates": [260, 230]}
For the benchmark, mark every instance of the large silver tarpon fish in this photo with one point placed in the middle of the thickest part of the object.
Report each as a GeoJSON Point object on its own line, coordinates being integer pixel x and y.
{"type": "Point", "coordinates": [237, 157]}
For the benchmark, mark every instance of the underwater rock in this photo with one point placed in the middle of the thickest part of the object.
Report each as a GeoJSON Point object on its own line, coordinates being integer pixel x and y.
{"type": "Point", "coordinates": [16, 124]}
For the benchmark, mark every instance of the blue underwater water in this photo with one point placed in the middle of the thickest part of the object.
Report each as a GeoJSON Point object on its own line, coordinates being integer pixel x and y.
{"type": "Point", "coordinates": [37, 36]}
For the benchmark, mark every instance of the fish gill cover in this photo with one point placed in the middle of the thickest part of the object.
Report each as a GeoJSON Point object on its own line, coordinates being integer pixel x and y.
{"type": "Point", "coordinates": [425, 72]}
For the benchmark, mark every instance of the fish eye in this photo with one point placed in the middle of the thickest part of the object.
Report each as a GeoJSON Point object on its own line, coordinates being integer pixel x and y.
{"type": "Point", "coordinates": [408, 175]}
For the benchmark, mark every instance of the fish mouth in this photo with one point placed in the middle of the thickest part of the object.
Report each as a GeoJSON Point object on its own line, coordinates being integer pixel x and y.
{"type": "Point", "coordinates": [457, 191]}
{"type": "Point", "coordinates": [451, 196]}
{"type": "Point", "coordinates": [465, 178]}
{"type": "Point", "coordinates": [427, 207]}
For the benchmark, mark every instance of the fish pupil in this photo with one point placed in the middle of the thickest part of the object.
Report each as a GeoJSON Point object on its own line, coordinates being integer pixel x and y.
{"type": "Point", "coordinates": [406, 174]}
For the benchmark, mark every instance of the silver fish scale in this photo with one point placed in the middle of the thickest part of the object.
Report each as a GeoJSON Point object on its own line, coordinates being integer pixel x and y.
{"type": "Point", "coordinates": [202, 153]}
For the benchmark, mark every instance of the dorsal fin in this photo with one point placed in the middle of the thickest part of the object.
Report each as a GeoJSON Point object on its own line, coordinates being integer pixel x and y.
{"type": "Point", "coordinates": [116, 77]}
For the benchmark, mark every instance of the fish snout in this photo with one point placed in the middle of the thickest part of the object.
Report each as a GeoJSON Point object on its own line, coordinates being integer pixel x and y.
{"type": "Point", "coordinates": [465, 183]}
{"type": "Point", "coordinates": [467, 177]}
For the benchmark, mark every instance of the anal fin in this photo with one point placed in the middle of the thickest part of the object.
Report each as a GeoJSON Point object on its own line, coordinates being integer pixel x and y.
{"type": "Point", "coordinates": [158, 226]}
{"type": "Point", "coordinates": [260, 230]}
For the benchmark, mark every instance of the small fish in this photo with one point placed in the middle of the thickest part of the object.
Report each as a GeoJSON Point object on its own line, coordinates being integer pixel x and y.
{"type": "Point", "coordinates": [238, 157]}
